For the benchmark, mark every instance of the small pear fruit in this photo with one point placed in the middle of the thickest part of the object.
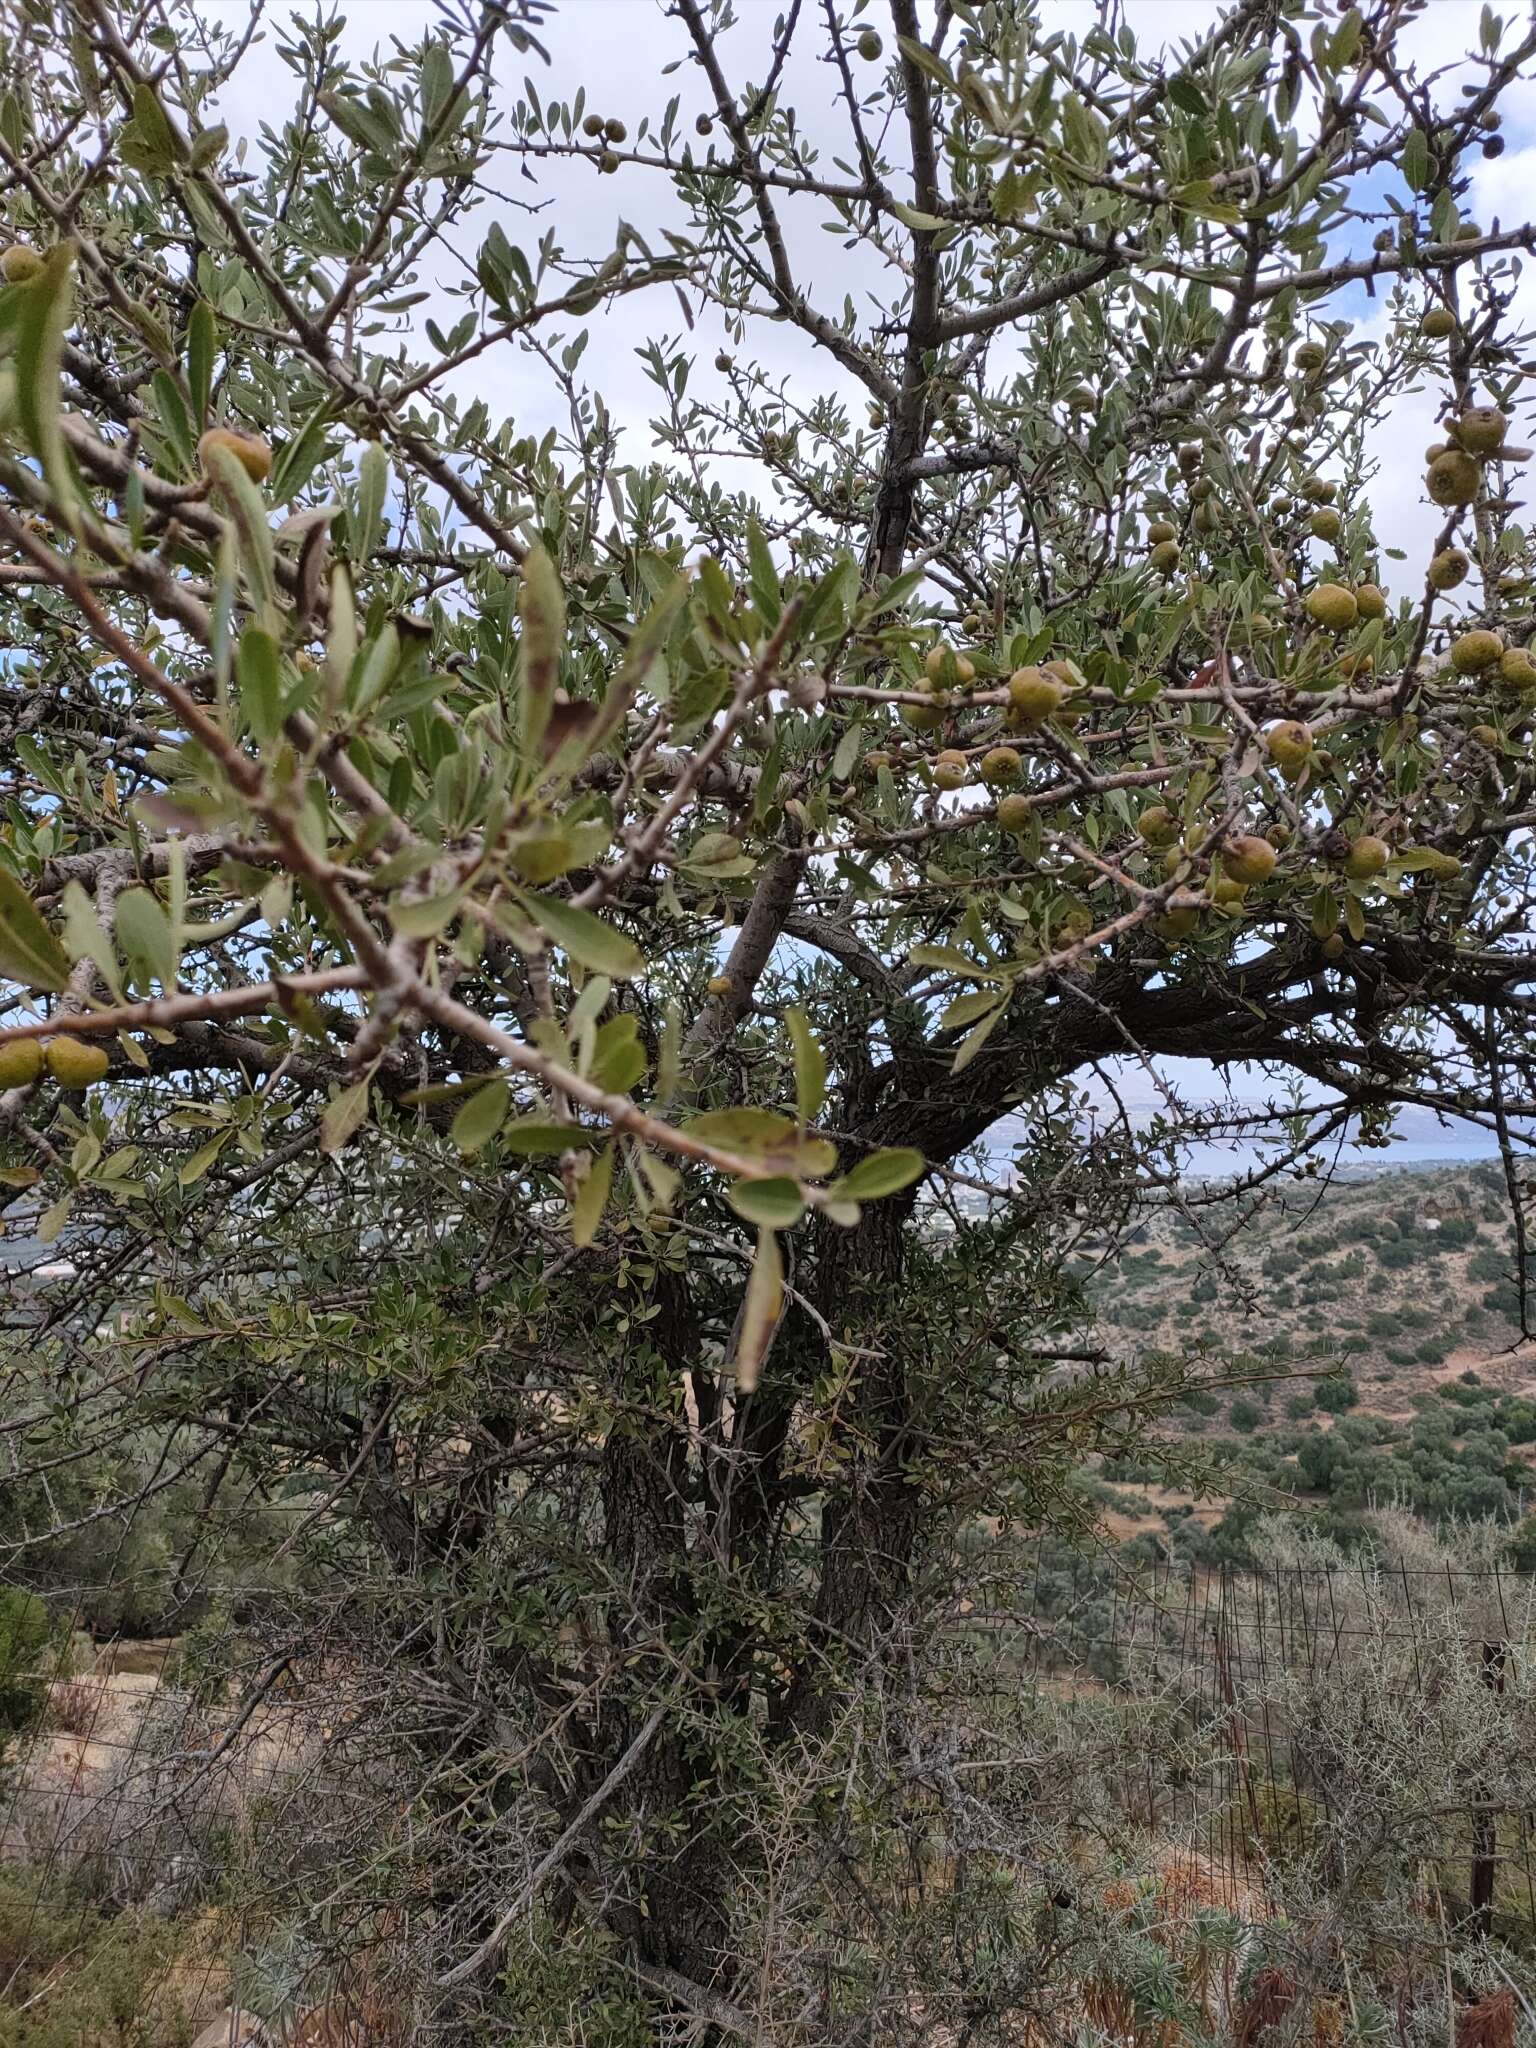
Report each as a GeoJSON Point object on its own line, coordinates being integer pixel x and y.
{"type": "Point", "coordinates": [1472, 652]}
{"type": "Point", "coordinates": [1034, 694]}
{"type": "Point", "coordinates": [1333, 607]}
{"type": "Point", "coordinates": [1248, 859]}
{"type": "Point", "coordinates": [1367, 856]}
{"type": "Point", "coordinates": [19, 264]}
{"type": "Point", "coordinates": [1158, 826]}
{"type": "Point", "coordinates": [249, 450]}
{"type": "Point", "coordinates": [1448, 568]}
{"type": "Point", "coordinates": [1453, 478]}
{"type": "Point", "coordinates": [74, 1064]}
{"type": "Point", "coordinates": [1481, 430]}
{"type": "Point", "coordinates": [1290, 745]}
{"type": "Point", "coordinates": [21, 1063]}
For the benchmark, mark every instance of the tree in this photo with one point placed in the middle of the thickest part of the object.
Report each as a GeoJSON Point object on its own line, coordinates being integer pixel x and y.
{"type": "Point", "coordinates": [513, 940]}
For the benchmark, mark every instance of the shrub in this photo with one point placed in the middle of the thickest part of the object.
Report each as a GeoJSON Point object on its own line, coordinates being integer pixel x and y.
{"type": "Point", "coordinates": [1337, 1395]}
{"type": "Point", "coordinates": [1245, 1414]}
{"type": "Point", "coordinates": [27, 1632]}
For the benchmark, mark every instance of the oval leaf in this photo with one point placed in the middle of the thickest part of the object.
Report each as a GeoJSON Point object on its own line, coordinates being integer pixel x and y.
{"type": "Point", "coordinates": [29, 953]}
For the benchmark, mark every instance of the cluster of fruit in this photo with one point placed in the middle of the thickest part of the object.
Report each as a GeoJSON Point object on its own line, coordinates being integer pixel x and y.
{"type": "Point", "coordinates": [1456, 464]}
{"type": "Point", "coordinates": [609, 130]}
{"type": "Point", "coordinates": [71, 1062]}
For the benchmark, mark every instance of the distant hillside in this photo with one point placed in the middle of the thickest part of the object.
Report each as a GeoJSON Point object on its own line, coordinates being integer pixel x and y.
{"type": "Point", "coordinates": [1400, 1286]}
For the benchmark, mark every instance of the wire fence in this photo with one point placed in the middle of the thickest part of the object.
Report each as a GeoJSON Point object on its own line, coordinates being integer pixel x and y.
{"type": "Point", "coordinates": [141, 1780]}
{"type": "Point", "coordinates": [1244, 1659]}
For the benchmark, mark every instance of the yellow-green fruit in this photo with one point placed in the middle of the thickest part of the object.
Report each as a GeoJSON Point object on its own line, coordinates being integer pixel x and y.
{"type": "Point", "coordinates": [718, 985]}
{"type": "Point", "coordinates": [1164, 558]}
{"type": "Point", "coordinates": [74, 1064]}
{"type": "Point", "coordinates": [936, 660]}
{"type": "Point", "coordinates": [1000, 766]}
{"type": "Point", "coordinates": [1190, 457]}
{"type": "Point", "coordinates": [249, 450]}
{"type": "Point", "coordinates": [1486, 735]}
{"type": "Point", "coordinates": [1325, 525]}
{"type": "Point", "coordinates": [1289, 744]}
{"type": "Point", "coordinates": [1366, 857]}
{"type": "Point", "coordinates": [950, 770]}
{"type": "Point", "coordinates": [593, 125]}
{"type": "Point", "coordinates": [923, 717]}
{"type": "Point", "coordinates": [19, 263]}
{"type": "Point", "coordinates": [1333, 606]}
{"type": "Point", "coordinates": [1034, 694]}
{"type": "Point", "coordinates": [1081, 398]}
{"type": "Point", "coordinates": [869, 45]}
{"type": "Point", "coordinates": [1438, 322]}
{"type": "Point", "coordinates": [1014, 813]}
{"type": "Point", "coordinates": [1248, 859]}
{"type": "Point", "coordinates": [874, 762]}
{"type": "Point", "coordinates": [1482, 429]}
{"type": "Point", "coordinates": [1279, 836]}
{"type": "Point", "coordinates": [1333, 947]}
{"type": "Point", "coordinates": [1208, 516]}
{"type": "Point", "coordinates": [1179, 922]}
{"type": "Point", "coordinates": [1448, 569]}
{"type": "Point", "coordinates": [1472, 652]}
{"type": "Point", "coordinates": [1317, 491]}
{"type": "Point", "coordinates": [1161, 530]}
{"type": "Point", "coordinates": [1157, 826]}
{"type": "Point", "coordinates": [1453, 478]}
{"type": "Point", "coordinates": [21, 1063]}
{"type": "Point", "coordinates": [1435, 450]}
{"type": "Point", "coordinates": [1517, 668]}
{"type": "Point", "coordinates": [1310, 356]}
{"type": "Point", "coordinates": [1224, 891]}
{"type": "Point", "coordinates": [1369, 601]}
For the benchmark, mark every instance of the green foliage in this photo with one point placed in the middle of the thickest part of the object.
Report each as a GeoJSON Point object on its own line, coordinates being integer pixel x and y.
{"type": "Point", "coordinates": [74, 1977]}
{"type": "Point", "coordinates": [28, 1635]}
